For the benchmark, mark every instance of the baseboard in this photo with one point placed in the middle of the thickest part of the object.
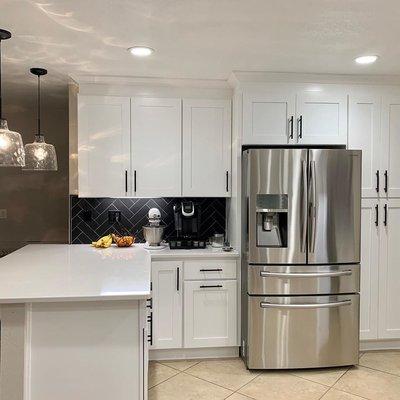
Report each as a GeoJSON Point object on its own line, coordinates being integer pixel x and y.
{"type": "Point", "coordinates": [388, 344]}
{"type": "Point", "coordinates": [188, 354]}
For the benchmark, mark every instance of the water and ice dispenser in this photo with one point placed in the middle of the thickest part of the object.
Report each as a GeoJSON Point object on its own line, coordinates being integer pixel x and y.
{"type": "Point", "coordinates": [272, 220]}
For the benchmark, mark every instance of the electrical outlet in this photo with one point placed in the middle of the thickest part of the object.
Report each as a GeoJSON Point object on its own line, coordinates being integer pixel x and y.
{"type": "Point", "coordinates": [3, 213]}
{"type": "Point", "coordinates": [114, 216]}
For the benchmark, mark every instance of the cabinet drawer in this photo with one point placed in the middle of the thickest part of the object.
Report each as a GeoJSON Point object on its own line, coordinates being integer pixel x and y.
{"type": "Point", "coordinates": [209, 269]}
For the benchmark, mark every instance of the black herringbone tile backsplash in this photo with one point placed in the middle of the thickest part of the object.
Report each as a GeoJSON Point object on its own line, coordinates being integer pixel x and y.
{"type": "Point", "coordinates": [134, 216]}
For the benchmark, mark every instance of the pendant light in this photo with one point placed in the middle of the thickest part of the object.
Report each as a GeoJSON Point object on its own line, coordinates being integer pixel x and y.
{"type": "Point", "coordinates": [39, 155]}
{"type": "Point", "coordinates": [12, 152]}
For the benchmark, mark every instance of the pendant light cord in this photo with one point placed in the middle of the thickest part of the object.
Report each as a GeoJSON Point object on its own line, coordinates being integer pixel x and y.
{"type": "Point", "coordinates": [38, 99]}
{"type": "Point", "coordinates": [1, 98]}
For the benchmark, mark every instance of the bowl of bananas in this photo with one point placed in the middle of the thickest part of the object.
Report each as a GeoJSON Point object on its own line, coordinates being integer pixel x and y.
{"type": "Point", "coordinates": [106, 241]}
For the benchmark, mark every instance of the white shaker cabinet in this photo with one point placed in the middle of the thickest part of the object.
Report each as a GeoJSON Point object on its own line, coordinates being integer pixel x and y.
{"type": "Point", "coordinates": [206, 148]}
{"type": "Point", "coordinates": [389, 271]}
{"type": "Point", "coordinates": [365, 135]}
{"type": "Point", "coordinates": [269, 116]}
{"type": "Point", "coordinates": [370, 223]}
{"type": "Point", "coordinates": [210, 313]}
{"type": "Point", "coordinates": [103, 146]}
{"type": "Point", "coordinates": [156, 147]}
{"type": "Point", "coordinates": [167, 304]}
{"type": "Point", "coordinates": [321, 117]}
{"type": "Point", "coordinates": [390, 165]}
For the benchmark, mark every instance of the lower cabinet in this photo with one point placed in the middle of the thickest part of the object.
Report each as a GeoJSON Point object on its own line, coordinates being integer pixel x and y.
{"type": "Point", "coordinates": [210, 316]}
{"type": "Point", "coordinates": [380, 272]}
{"type": "Point", "coordinates": [192, 309]}
{"type": "Point", "coordinates": [167, 304]}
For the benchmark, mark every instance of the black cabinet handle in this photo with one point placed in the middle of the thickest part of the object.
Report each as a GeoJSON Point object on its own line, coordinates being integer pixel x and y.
{"type": "Point", "coordinates": [177, 279]}
{"type": "Point", "coordinates": [126, 181]}
{"type": "Point", "coordinates": [386, 182]}
{"type": "Point", "coordinates": [376, 215]}
{"type": "Point", "coordinates": [134, 181]}
{"type": "Point", "coordinates": [300, 126]}
{"type": "Point", "coordinates": [210, 286]}
{"type": "Point", "coordinates": [377, 181]}
{"type": "Point", "coordinates": [150, 321]}
{"type": "Point", "coordinates": [211, 270]}
{"type": "Point", "coordinates": [227, 181]}
{"type": "Point", "coordinates": [385, 209]}
{"type": "Point", "coordinates": [291, 127]}
{"type": "Point", "coordinates": [149, 303]}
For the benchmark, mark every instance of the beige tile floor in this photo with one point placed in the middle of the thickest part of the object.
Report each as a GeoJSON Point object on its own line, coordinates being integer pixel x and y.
{"type": "Point", "coordinates": [376, 378]}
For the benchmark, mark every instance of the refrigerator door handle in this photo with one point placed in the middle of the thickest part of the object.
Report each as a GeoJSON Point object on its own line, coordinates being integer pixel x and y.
{"type": "Point", "coordinates": [303, 244]}
{"type": "Point", "coordinates": [313, 207]}
{"type": "Point", "coordinates": [264, 304]}
{"type": "Point", "coordinates": [265, 274]}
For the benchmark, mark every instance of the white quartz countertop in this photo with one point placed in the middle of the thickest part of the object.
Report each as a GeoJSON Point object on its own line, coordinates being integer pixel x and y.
{"type": "Point", "coordinates": [61, 272]}
{"type": "Point", "coordinates": [209, 252]}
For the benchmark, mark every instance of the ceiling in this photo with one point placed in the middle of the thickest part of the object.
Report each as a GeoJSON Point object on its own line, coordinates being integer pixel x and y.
{"type": "Point", "coordinates": [201, 39]}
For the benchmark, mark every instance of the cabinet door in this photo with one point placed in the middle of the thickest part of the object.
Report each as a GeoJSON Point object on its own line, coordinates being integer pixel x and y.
{"type": "Point", "coordinates": [321, 117]}
{"type": "Point", "coordinates": [369, 269]}
{"type": "Point", "coordinates": [389, 271]}
{"type": "Point", "coordinates": [207, 148]}
{"type": "Point", "coordinates": [364, 134]}
{"type": "Point", "coordinates": [268, 118]}
{"type": "Point", "coordinates": [167, 304]}
{"type": "Point", "coordinates": [156, 147]}
{"type": "Point", "coordinates": [391, 146]}
{"type": "Point", "coordinates": [103, 146]}
{"type": "Point", "coordinates": [210, 315]}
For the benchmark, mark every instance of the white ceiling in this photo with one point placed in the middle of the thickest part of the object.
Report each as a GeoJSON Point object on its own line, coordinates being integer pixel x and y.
{"type": "Point", "coordinates": [202, 39]}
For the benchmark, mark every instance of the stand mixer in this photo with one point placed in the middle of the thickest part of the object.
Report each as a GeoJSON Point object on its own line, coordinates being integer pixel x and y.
{"type": "Point", "coordinates": [153, 232]}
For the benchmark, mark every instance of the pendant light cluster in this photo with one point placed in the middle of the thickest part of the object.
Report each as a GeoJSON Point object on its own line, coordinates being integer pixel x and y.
{"type": "Point", "coordinates": [36, 156]}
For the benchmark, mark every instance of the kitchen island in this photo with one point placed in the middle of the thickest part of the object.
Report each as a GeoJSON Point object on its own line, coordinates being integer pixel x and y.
{"type": "Point", "coordinates": [84, 316]}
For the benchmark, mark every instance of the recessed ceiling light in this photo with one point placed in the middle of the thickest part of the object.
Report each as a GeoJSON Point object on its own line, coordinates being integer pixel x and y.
{"type": "Point", "coordinates": [366, 59]}
{"type": "Point", "coordinates": [141, 51]}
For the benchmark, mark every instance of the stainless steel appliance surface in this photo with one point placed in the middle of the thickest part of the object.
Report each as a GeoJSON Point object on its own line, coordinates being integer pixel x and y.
{"type": "Point", "coordinates": [301, 212]}
{"type": "Point", "coordinates": [153, 232]}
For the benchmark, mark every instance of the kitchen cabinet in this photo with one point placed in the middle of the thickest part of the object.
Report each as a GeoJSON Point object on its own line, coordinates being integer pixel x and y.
{"type": "Point", "coordinates": [321, 117]}
{"type": "Point", "coordinates": [369, 268]}
{"type": "Point", "coordinates": [103, 146]}
{"type": "Point", "coordinates": [269, 116]}
{"type": "Point", "coordinates": [210, 318]}
{"type": "Point", "coordinates": [285, 114]}
{"type": "Point", "coordinates": [390, 165]}
{"type": "Point", "coordinates": [365, 135]}
{"type": "Point", "coordinates": [206, 147]}
{"type": "Point", "coordinates": [389, 271]}
{"type": "Point", "coordinates": [156, 147]}
{"type": "Point", "coordinates": [167, 304]}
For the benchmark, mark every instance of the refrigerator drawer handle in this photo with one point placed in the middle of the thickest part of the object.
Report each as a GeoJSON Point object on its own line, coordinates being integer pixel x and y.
{"type": "Point", "coordinates": [264, 304]}
{"type": "Point", "coordinates": [305, 274]}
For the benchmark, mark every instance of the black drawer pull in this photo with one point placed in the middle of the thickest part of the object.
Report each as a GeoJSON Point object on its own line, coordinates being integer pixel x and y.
{"type": "Point", "coordinates": [377, 181]}
{"type": "Point", "coordinates": [150, 336]}
{"type": "Point", "coordinates": [210, 286]}
{"type": "Point", "coordinates": [149, 303]}
{"type": "Point", "coordinates": [376, 215]}
{"type": "Point", "coordinates": [386, 182]}
{"type": "Point", "coordinates": [385, 209]}
{"type": "Point", "coordinates": [211, 270]}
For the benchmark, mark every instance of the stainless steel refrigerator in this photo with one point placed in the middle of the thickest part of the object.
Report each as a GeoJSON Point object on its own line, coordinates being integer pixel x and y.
{"type": "Point", "coordinates": [301, 257]}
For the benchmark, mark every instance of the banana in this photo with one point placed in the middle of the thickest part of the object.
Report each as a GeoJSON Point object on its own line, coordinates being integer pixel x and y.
{"type": "Point", "coordinates": [103, 242]}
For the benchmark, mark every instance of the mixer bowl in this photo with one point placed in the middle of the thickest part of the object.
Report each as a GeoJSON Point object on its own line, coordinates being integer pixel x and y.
{"type": "Point", "coordinates": [153, 234]}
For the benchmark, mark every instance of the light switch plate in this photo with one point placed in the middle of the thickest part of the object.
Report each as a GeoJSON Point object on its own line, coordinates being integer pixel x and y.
{"type": "Point", "coordinates": [3, 213]}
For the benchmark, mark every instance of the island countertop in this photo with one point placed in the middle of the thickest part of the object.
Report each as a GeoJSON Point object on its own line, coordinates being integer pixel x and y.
{"type": "Point", "coordinates": [61, 272]}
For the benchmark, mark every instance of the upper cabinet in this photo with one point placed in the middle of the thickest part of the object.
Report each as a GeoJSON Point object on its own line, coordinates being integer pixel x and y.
{"type": "Point", "coordinates": [285, 115]}
{"type": "Point", "coordinates": [365, 135]}
{"type": "Point", "coordinates": [206, 148]}
{"type": "Point", "coordinates": [321, 117]}
{"type": "Point", "coordinates": [134, 147]}
{"type": "Point", "coordinates": [156, 147]}
{"type": "Point", "coordinates": [103, 146]}
{"type": "Point", "coordinates": [390, 165]}
{"type": "Point", "coordinates": [268, 116]}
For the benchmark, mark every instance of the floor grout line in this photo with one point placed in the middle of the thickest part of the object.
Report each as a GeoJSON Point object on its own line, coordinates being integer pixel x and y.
{"type": "Point", "coordinates": [378, 370]}
{"type": "Point", "coordinates": [180, 370]}
{"type": "Point", "coordinates": [343, 391]}
{"type": "Point", "coordinates": [205, 380]}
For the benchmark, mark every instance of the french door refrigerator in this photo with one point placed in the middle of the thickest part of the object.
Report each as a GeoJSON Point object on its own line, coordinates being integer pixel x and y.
{"type": "Point", "coordinates": [301, 210]}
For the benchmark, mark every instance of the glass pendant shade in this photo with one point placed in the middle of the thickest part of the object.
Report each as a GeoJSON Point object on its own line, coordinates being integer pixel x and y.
{"type": "Point", "coordinates": [40, 156]}
{"type": "Point", "coordinates": [12, 153]}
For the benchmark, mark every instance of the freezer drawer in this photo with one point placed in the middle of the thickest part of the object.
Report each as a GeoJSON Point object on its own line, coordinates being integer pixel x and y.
{"type": "Point", "coordinates": [302, 331]}
{"type": "Point", "coordinates": [303, 279]}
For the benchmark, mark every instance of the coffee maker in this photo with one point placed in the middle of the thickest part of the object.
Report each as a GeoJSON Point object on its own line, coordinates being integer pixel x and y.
{"type": "Point", "coordinates": [187, 217]}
